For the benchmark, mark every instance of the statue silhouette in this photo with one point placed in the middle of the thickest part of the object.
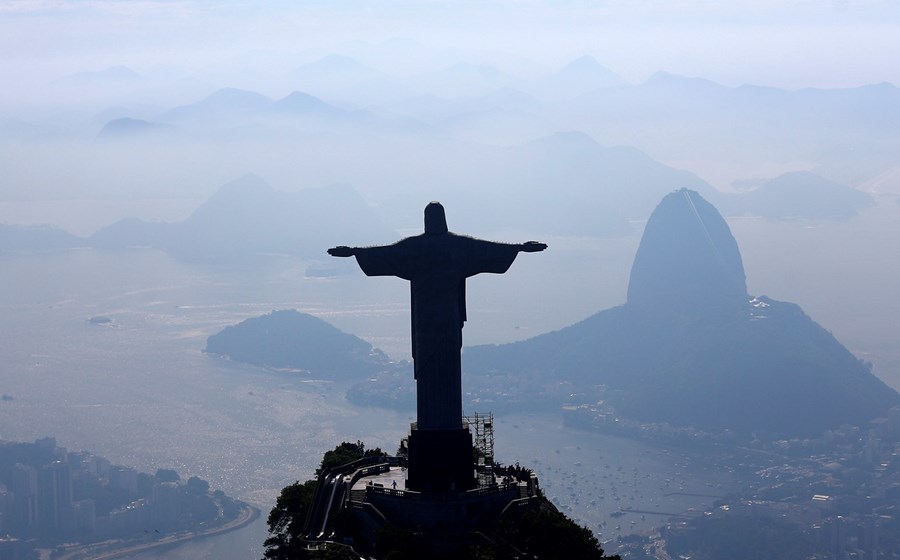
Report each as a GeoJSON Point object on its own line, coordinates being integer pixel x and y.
{"type": "Point", "coordinates": [437, 263]}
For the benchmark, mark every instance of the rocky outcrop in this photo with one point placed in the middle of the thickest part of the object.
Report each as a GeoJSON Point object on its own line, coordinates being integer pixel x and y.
{"type": "Point", "coordinates": [692, 348]}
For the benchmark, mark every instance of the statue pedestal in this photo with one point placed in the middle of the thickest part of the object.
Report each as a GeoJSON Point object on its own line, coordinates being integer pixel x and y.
{"type": "Point", "coordinates": [440, 461]}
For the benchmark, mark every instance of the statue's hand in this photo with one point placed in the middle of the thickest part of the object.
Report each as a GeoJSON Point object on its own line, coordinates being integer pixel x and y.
{"type": "Point", "coordinates": [341, 251]}
{"type": "Point", "coordinates": [533, 246]}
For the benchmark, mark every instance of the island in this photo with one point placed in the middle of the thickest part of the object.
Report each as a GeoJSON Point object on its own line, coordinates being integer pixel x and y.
{"type": "Point", "coordinates": [290, 341]}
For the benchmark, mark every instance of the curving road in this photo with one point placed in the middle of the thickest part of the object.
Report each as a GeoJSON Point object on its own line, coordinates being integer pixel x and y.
{"type": "Point", "coordinates": [248, 515]}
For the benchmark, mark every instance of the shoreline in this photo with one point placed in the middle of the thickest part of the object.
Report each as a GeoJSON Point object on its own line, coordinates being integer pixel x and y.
{"type": "Point", "coordinates": [248, 515]}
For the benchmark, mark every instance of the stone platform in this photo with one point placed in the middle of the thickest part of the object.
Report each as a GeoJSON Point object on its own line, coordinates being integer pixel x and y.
{"type": "Point", "coordinates": [377, 498]}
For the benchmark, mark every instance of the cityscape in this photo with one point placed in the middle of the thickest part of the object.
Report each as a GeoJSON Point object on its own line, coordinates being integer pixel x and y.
{"type": "Point", "coordinates": [77, 505]}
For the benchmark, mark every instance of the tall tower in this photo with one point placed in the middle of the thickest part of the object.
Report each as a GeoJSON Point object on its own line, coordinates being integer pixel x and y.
{"type": "Point", "coordinates": [25, 502]}
{"type": "Point", "coordinates": [55, 495]}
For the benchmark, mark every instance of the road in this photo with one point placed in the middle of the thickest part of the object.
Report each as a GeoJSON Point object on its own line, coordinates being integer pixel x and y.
{"type": "Point", "coordinates": [92, 552]}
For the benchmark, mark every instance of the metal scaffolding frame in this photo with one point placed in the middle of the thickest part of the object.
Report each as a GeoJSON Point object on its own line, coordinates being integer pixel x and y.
{"type": "Point", "coordinates": [482, 427]}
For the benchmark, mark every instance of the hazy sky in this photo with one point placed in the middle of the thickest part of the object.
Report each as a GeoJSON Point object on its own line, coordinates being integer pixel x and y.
{"type": "Point", "coordinates": [791, 43]}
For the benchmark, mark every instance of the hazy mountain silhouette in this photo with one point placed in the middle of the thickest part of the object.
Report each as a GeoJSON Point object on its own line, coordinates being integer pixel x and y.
{"type": "Point", "coordinates": [342, 77]}
{"type": "Point", "coordinates": [851, 128]}
{"type": "Point", "coordinates": [109, 76]}
{"type": "Point", "coordinates": [681, 97]}
{"type": "Point", "coordinates": [239, 115]}
{"type": "Point", "coordinates": [132, 233]}
{"type": "Point", "coordinates": [579, 76]}
{"type": "Point", "coordinates": [502, 116]}
{"type": "Point", "coordinates": [587, 68]}
{"type": "Point", "coordinates": [587, 182]}
{"type": "Point", "coordinates": [562, 184]}
{"type": "Point", "coordinates": [335, 65]}
{"type": "Point", "coordinates": [691, 348]}
{"type": "Point", "coordinates": [15, 239]}
{"type": "Point", "coordinates": [224, 103]}
{"type": "Point", "coordinates": [247, 218]}
{"type": "Point", "coordinates": [799, 194]}
{"type": "Point", "coordinates": [289, 339]}
{"type": "Point", "coordinates": [124, 128]}
{"type": "Point", "coordinates": [299, 103]}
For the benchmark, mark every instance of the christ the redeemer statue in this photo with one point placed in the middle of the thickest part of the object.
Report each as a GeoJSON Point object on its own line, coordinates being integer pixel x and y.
{"type": "Point", "coordinates": [436, 264]}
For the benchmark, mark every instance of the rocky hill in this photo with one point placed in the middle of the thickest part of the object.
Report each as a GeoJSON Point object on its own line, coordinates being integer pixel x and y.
{"type": "Point", "coordinates": [297, 341]}
{"type": "Point", "coordinates": [692, 348]}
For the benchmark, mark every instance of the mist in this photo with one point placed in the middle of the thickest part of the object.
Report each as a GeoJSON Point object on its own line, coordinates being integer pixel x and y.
{"type": "Point", "coordinates": [144, 109]}
{"type": "Point", "coordinates": [229, 144]}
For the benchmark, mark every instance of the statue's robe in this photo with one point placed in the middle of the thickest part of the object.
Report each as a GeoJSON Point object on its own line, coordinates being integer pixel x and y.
{"type": "Point", "coordinates": [436, 266]}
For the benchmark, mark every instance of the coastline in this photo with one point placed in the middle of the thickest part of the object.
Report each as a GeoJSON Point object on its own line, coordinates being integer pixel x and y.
{"type": "Point", "coordinates": [95, 551]}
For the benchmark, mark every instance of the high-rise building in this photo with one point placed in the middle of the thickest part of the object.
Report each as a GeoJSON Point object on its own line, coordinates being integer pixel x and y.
{"type": "Point", "coordinates": [55, 495]}
{"type": "Point", "coordinates": [24, 487]}
{"type": "Point", "coordinates": [5, 508]}
{"type": "Point", "coordinates": [165, 503]}
{"type": "Point", "coordinates": [86, 515]}
{"type": "Point", "coordinates": [124, 479]}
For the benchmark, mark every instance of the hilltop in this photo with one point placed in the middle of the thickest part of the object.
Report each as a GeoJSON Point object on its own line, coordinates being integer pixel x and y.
{"type": "Point", "coordinates": [300, 342]}
{"type": "Point", "coordinates": [692, 348]}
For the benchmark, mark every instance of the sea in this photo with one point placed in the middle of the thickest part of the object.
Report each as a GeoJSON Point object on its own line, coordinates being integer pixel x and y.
{"type": "Point", "coordinates": [140, 391]}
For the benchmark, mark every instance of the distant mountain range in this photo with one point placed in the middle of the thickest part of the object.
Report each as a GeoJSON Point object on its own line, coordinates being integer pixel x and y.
{"type": "Point", "coordinates": [230, 103]}
{"type": "Point", "coordinates": [247, 218]}
{"type": "Point", "coordinates": [36, 238]}
{"type": "Point", "coordinates": [847, 134]}
{"type": "Point", "coordinates": [103, 77]}
{"type": "Point", "coordinates": [238, 114]}
{"type": "Point", "coordinates": [692, 348]}
{"type": "Point", "coordinates": [724, 133]}
{"type": "Point", "coordinates": [126, 127]}
{"type": "Point", "coordinates": [799, 194]}
{"type": "Point", "coordinates": [596, 191]}
{"type": "Point", "coordinates": [510, 136]}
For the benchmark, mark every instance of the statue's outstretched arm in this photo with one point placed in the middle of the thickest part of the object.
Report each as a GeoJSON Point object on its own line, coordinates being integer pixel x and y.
{"type": "Point", "coordinates": [532, 246]}
{"type": "Point", "coordinates": [342, 251]}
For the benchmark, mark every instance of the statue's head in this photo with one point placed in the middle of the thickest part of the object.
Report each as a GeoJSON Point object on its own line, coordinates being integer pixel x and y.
{"type": "Point", "coordinates": [435, 219]}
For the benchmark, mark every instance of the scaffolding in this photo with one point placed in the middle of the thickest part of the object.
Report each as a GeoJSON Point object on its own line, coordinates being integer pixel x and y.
{"type": "Point", "coordinates": [482, 428]}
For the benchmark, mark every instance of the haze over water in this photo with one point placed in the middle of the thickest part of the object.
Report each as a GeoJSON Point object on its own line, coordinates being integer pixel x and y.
{"type": "Point", "coordinates": [439, 92]}
{"type": "Point", "coordinates": [142, 394]}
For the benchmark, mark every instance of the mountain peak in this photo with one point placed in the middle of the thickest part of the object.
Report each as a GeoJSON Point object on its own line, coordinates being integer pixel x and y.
{"type": "Point", "coordinates": [301, 102]}
{"type": "Point", "coordinates": [586, 62]}
{"type": "Point", "coordinates": [687, 258]}
{"type": "Point", "coordinates": [567, 140]}
{"type": "Point", "coordinates": [667, 79]}
{"type": "Point", "coordinates": [584, 74]}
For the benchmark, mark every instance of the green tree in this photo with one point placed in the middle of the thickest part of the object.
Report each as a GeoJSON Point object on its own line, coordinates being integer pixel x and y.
{"type": "Point", "coordinates": [546, 533]}
{"type": "Point", "coordinates": [345, 453]}
{"type": "Point", "coordinates": [286, 521]}
{"type": "Point", "coordinates": [197, 486]}
{"type": "Point", "coordinates": [166, 475]}
{"type": "Point", "coordinates": [289, 514]}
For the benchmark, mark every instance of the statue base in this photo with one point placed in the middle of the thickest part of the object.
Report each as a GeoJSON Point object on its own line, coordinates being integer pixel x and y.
{"type": "Point", "coordinates": [440, 461]}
